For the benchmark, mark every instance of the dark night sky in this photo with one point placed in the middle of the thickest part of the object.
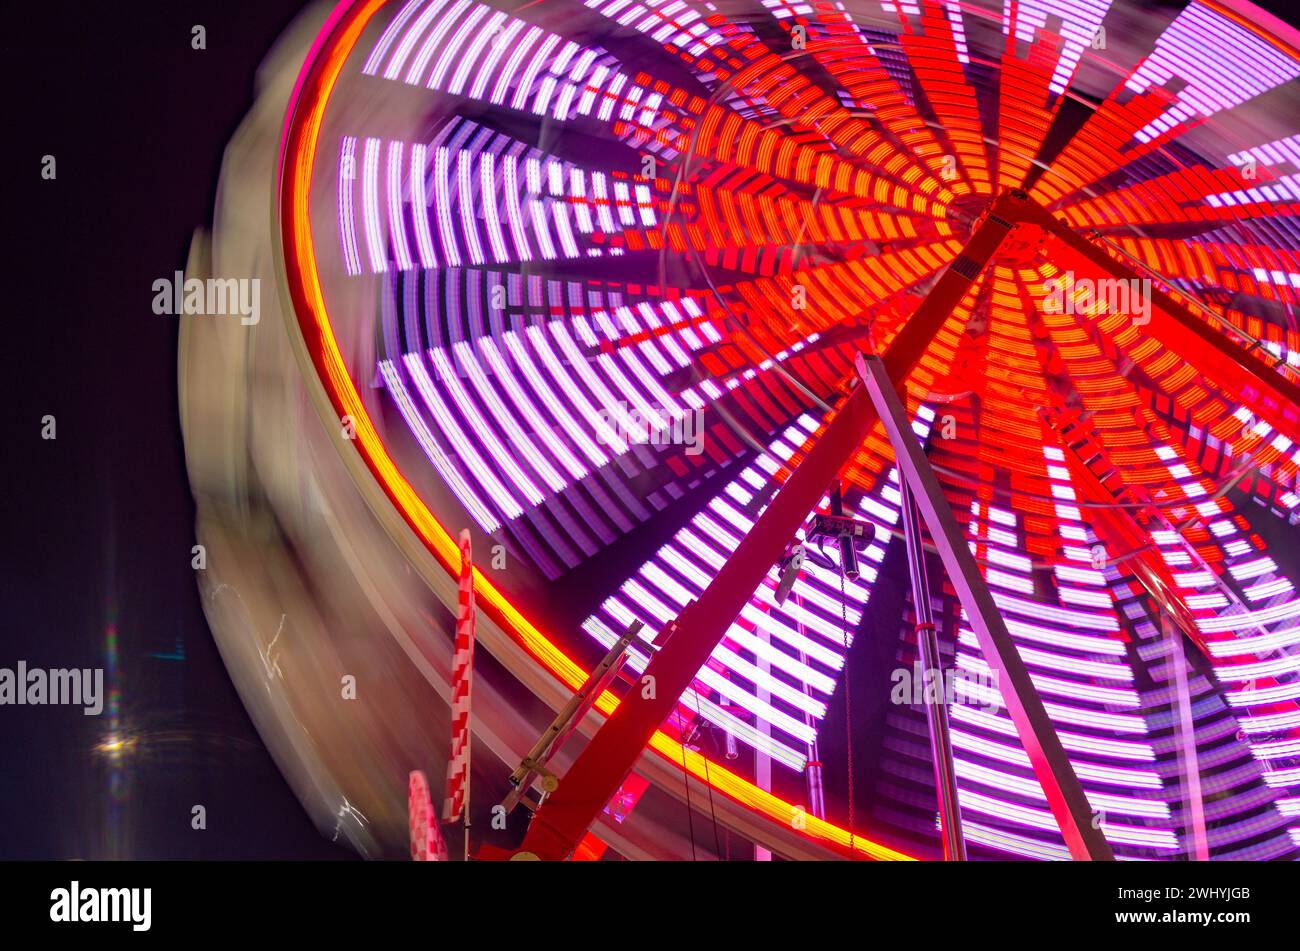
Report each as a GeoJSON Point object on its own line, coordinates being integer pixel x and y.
{"type": "Point", "coordinates": [100, 521]}
{"type": "Point", "coordinates": [137, 121]}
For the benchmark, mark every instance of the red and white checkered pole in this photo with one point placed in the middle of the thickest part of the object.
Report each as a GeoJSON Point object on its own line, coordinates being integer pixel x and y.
{"type": "Point", "coordinates": [462, 678]}
{"type": "Point", "coordinates": [427, 844]}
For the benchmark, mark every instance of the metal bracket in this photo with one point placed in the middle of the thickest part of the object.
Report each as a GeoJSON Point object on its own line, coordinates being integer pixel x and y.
{"type": "Point", "coordinates": [534, 766]}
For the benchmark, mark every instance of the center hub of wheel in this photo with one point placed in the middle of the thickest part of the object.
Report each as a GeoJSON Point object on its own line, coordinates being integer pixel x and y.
{"type": "Point", "coordinates": [1022, 247]}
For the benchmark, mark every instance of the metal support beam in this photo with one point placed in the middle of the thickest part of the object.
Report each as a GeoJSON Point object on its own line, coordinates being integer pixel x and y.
{"type": "Point", "coordinates": [600, 768]}
{"type": "Point", "coordinates": [1241, 371]}
{"type": "Point", "coordinates": [813, 772]}
{"type": "Point", "coordinates": [1051, 765]}
{"type": "Point", "coordinates": [936, 714]}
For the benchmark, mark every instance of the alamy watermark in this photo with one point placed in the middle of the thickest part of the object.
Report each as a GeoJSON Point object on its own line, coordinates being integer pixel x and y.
{"type": "Point", "coordinates": [214, 296]}
{"type": "Point", "coordinates": [79, 904]}
{"type": "Point", "coordinates": [915, 686]}
{"type": "Point", "coordinates": [1070, 295]}
{"type": "Point", "coordinates": [657, 428]}
{"type": "Point", "coordinates": [36, 686]}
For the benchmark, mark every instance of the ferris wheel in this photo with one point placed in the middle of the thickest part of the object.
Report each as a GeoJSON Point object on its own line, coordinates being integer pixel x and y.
{"type": "Point", "coordinates": [872, 357]}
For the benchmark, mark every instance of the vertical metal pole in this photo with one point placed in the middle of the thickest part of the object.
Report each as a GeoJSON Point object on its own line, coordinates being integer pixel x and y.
{"type": "Point", "coordinates": [927, 642]}
{"type": "Point", "coordinates": [465, 812]}
{"type": "Point", "coordinates": [816, 794]}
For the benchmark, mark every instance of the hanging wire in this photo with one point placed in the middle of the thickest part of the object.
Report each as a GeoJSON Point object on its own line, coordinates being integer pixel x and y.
{"type": "Point", "coordinates": [713, 815]}
{"type": "Point", "coordinates": [686, 779]}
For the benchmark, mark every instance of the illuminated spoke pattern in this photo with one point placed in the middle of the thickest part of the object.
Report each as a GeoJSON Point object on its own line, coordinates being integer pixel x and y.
{"type": "Point", "coordinates": [620, 254]}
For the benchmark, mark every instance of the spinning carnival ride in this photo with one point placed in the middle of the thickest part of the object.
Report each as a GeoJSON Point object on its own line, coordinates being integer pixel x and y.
{"type": "Point", "coordinates": [591, 280]}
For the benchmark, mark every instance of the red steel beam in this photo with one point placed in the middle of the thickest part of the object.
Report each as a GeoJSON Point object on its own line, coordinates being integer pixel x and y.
{"type": "Point", "coordinates": [605, 762]}
{"type": "Point", "coordinates": [1239, 371]}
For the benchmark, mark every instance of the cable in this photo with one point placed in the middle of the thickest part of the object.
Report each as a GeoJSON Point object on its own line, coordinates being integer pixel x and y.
{"type": "Point", "coordinates": [686, 778]}
{"type": "Point", "coordinates": [713, 815]}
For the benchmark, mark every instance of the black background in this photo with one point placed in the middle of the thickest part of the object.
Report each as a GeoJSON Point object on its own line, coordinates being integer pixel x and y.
{"type": "Point", "coordinates": [137, 121]}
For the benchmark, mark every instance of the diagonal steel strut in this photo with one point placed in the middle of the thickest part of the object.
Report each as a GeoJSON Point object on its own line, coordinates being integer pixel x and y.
{"type": "Point", "coordinates": [1239, 371]}
{"type": "Point", "coordinates": [1047, 756]}
{"type": "Point", "coordinates": [605, 762]}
